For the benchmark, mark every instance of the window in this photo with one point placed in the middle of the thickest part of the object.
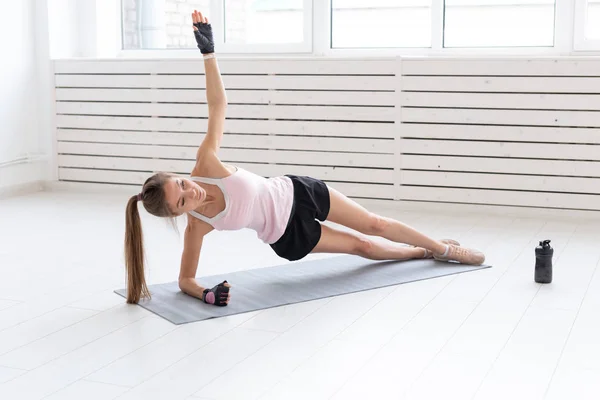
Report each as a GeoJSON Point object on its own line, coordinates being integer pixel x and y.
{"type": "Point", "coordinates": [238, 25]}
{"type": "Point", "coordinates": [380, 23]}
{"type": "Point", "coordinates": [587, 25]}
{"type": "Point", "coordinates": [361, 27]}
{"type": "Point", "coordinates": [498, 23]}
{"type": "Point", "coordinates": [264, 21]}
{"type": "Point", "coordinates": [592, 22]}
{"type": "Point", "coordinates": [160, 24]}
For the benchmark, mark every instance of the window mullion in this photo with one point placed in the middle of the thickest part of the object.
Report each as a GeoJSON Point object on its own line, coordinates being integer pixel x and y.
{"type": "Point", "coordinates": [217, 19]}
{"type": "Point", "coordinates": [564, 11]}
{"type": "Point", "coordinates": [437, 25]}
{"type": "Point", "coordinates": [321, 27]}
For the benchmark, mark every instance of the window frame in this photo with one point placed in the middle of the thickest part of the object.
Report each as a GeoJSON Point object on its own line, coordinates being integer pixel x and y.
{"type": "Point", "coordinates": [569, 38]}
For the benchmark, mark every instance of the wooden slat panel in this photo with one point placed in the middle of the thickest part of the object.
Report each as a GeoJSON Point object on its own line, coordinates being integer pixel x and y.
{"type": "Point", "coordinates": [501, 181]}
{"type": "Point", "coordinates": [139, 137]}
{"type": "Point", "coordinates": [501, 84]}
{"type": "Point", "coordinates": [349, 98]}
{"type": "Point", "coordinates": [501, 149]}
{"type": "Point", "coordinates": [502, 165]}
{"type": "Point", "coordinates": [517, 66]}
{"type": "Point", "coordinates": [156, 95]}
{"type": "Point", "coordinates": [339, 113]}
{"type": "Point", "coordinates": [501, 197]}
{"type": "Point", "coordinates": [518, 122]}
{"type": "Point", "coordinates": [123, 66]}
{"type": "Point", "coordinates": [306, 82]}
{"type": "Point", "coordinates": [102, 176]}
{"type": "Point", "coordinates": [232, 155]}
{"type": "Point", "coordinates": [535, 101]}
{"type": "Point", "coordinates": [312, 128]}
{"type": "Point", "coordinates": [354, 98]}
{"type": "Point", "coordinates": [131, 81]}
{"type": "Point", "coordinates": [501, 133]}
{"type": "Point", "coordinates": [368, 191]}
{"type": "Point", "coordinates": [129, 66]}
{"type": "Point", "coordinates": [149, 165]}
{"type": "Point", "coordinates": [374, 191]}
{"type": "Point", "coordinates": [231, 66]}
{"type": "Point", "coordinates": [352, 145]}
{"type": "Point", "coordinates": [185, 167]}
{"type": "Point", "coordinates": [502, 117]}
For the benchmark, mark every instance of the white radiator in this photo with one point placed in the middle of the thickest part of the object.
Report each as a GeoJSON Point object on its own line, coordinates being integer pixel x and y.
{"type": "Point", "coordinates": [517, 132]}
{"type": "Point", "coordinates": [514, 132]}
{"type": "Point", "coordinates": [118, 121]}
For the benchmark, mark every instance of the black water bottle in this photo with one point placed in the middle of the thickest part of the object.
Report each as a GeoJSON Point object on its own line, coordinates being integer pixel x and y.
{"type": "Point", "coordinates": [543, 262]}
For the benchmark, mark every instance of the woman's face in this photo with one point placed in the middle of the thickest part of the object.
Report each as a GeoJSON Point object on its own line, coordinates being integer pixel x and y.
{"type": "Point", "coordinates": [183, 195]}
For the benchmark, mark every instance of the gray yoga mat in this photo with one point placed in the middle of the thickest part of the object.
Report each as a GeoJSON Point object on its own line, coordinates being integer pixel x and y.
{"type": "Point", "coordinates": [293, 283]}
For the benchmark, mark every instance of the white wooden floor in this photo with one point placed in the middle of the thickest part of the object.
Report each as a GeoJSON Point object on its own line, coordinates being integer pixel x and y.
{"type": "Point", "coordinates": [491, 334]}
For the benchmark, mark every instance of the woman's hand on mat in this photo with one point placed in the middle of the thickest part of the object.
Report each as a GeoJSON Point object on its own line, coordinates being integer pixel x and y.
{"type": "Point", "coordinates": [203, 33]}
{"type": "Point", "coordinates": [218, 295]}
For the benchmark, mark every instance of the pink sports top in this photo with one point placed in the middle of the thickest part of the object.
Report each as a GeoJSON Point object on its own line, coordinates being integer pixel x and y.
{"type": "Point", "coordinates": [252, 201]}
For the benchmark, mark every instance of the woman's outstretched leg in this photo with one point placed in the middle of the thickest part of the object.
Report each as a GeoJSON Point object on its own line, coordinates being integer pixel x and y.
{"type": "Point", "coordinates": [337, 241]}
{"type": "Point", "coordinates": [347, 212]}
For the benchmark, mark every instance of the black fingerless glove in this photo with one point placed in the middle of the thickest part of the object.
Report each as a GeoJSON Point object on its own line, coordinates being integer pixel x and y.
{"type": "Point", "coordinates": [217, 295]}
{"type": "Point", "coordinates": [204, 38]}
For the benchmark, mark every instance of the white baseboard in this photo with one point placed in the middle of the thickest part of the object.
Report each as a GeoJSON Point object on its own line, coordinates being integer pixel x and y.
{"type": "Point", "coordinates": [21, 177]}
{"type": "Point", "coordinates": [21, 189]}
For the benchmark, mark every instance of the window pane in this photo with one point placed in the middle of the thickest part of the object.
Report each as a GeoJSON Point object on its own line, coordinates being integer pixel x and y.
{"type": "Point", "coordinates": [160, 24]}
{"type": "Point", "coordinates": [498, 23]}
{"type": "Point", "coordinates": [380, 23]}
{"type": "Point", "coordinates": [592, 24]}
{"type": "Point", "coordinates": [264, 21]}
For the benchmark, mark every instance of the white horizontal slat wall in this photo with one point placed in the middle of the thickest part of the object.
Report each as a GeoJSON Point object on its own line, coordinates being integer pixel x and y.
{"type": "Point", "coordinates": [509, 132]}
{"type": "Point", "coordinates": [120, 121]}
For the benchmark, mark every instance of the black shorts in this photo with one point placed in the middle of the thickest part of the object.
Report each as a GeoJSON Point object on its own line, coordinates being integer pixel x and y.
{"type": "Point", "coordinates": [303, 231]}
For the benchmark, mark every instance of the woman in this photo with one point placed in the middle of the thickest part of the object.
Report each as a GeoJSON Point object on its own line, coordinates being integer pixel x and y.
{"type": "Point", "coordinates": [284, 211]}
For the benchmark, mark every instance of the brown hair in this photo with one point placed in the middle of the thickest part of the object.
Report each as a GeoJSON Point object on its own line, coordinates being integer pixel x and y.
{"type": "Point", "coordinates": [154, 201]}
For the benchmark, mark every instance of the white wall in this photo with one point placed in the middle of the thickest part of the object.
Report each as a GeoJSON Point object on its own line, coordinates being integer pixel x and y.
{"type": "Point", "coordinates": [83, 28]}
{"type": "Point", "coordinates": [64, 32]}
{"type": "Point", "coordinates": [26, 100]}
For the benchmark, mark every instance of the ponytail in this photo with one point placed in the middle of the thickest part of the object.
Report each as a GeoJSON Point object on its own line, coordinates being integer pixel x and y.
{"type": "Point", "coordinates": [134, 254]}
